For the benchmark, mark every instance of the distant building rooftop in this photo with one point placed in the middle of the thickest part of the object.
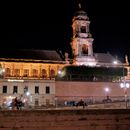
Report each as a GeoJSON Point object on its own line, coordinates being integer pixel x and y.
{"type": "Point", "coordinates": [104, 57]}
{"type": "Point", "coordinates": [31, 54]}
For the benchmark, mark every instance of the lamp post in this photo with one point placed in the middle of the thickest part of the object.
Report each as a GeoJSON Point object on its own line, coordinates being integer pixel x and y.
{"type": "Point", "coordinates": [56, 103]}
{"type": "Point", "coordinates": [125, 86]}
{"type": "Point", "coordinates": [107, 90]}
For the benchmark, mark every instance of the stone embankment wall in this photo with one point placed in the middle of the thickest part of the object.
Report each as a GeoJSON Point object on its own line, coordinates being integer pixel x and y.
{"type": "Point", "coordinates": [66, 120]}
{"type": "Point", "coordinates": [75, 89]}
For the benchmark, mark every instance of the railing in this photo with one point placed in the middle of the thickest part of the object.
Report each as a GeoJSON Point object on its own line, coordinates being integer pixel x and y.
{"type": "Point", "coordinates": [89, 100]}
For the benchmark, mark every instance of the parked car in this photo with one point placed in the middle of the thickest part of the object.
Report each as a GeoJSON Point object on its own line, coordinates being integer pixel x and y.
{"type": "Point", "coordinates": [71, 103]}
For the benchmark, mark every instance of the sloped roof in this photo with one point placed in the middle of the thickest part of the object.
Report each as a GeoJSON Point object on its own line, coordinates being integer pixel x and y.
{"type": "Point", "coordinates": [31, 54]}
{"type": "Point", "coordinates": [104, 57]}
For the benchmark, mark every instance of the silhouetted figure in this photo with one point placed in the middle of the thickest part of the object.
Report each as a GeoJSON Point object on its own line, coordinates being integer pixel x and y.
{"type": "Point", "coordinates": [20, 102]}
{"type": "Point", "coordinates": [16, 103]}
{"type": "Point", "coordinates": [13, 104]}
{"type": "Point", "coordinates": [80, 103]}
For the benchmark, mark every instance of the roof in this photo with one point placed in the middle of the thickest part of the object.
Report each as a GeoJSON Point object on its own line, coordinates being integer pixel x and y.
{"type": "Point", "coordinates": [104, 57]}
{"type": "Point", "coordinates": [31, 54]}
{"type": "Point", "coordinates": [81, 15]}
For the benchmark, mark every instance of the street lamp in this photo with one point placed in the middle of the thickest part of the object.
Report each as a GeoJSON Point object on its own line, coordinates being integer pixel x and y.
{"type": "Point", "coordinates": [107, 90]}
{"type": "Point", "coordinates": [125, 86]}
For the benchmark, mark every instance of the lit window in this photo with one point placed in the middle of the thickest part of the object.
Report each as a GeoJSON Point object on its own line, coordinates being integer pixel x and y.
{"type": "Point", "coordinates": [52, 73]}
{"type": "Point", "coordinates": [43, 73]}
{"type": "Point", "coordinates": [25, 73]}
{"type": "Point", "coordinates": [16, 72]}
{"type": "Point", "coordinates": [7, 72]}
{"type": "Point", "coordinates": [34, 73]}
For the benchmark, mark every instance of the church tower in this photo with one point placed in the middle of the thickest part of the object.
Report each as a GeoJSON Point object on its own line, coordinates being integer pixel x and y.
{"type": "Point", "coordinates": [82, 41]}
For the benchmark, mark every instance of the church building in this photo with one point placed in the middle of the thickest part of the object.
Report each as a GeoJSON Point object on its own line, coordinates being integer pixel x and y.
{"type": "Point", "coordinates": [31, 73]}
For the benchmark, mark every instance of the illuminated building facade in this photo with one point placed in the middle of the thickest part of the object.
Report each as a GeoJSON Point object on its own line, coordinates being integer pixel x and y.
{"type": "Point", "coordinates": [33, 70]}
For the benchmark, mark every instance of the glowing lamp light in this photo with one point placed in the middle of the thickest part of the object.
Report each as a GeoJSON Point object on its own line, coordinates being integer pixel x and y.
{"type": "Point", "coordinates": [59, 72]}
{"type": "Point", "coordinates": [124, 85]}
{"type": "Point", "coordinates": [107, 89]}
{"type": "Point", "coordinates": [115, 62]}
{"type": "Point", "coordinates": [127, 85]}
{"type": "Point", "coordinates": [28, 93]}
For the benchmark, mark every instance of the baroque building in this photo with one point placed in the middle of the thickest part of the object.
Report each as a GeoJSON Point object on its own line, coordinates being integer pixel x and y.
{"type": "Point", "coordinates": [31, 73]}
{"type": "Point", "coordinates": [30, 70]}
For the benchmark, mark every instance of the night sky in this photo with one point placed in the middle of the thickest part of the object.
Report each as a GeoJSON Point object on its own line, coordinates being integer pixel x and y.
{"type": "Point", "coordinates": [47, 25]}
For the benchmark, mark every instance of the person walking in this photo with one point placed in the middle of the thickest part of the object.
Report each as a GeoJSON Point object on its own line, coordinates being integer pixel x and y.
{"type": "Point", "coordinates": [80, 103]}
{"type": "Point", "coordinates": [16, 103]}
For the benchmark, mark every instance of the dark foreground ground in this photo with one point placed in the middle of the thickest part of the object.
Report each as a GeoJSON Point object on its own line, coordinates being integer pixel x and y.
{"type": "Point", "coordinates": [69, 119]}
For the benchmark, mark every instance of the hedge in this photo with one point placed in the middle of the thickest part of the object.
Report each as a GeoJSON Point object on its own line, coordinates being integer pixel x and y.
{"type": "Point", "coordinates": [96, 71]}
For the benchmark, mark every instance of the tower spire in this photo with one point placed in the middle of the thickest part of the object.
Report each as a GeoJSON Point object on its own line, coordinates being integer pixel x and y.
{"type": "Point", "coordinates": [79, 5]}
{"type": "Point", "coordinates": [82, 41]}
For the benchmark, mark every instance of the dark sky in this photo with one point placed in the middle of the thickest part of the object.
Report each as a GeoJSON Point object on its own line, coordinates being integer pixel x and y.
{"type": "Point", "coordinates": [47, 25]}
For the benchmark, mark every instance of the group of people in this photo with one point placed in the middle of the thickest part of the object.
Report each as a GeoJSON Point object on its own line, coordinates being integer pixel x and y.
{"type": "Point", "coordinates": [17, 104]}
{"type": "Point", "coordinates": [74, 103]}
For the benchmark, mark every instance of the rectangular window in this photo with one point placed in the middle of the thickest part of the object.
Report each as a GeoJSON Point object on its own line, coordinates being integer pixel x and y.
{"type": "Point", "coordinates": [4, 89]}
{"type": "Point", "coordinates": [37, 89]}
{"type": "Point", "coordinates": [47, 89]}
{"type": "Point", "coordinates": [15, 89]}
{"type": "Point", "coordinates": [25, 89]}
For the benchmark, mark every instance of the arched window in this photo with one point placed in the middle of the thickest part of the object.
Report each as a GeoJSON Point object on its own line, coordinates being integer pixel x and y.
{"type": "Point", "coordinates": [35, 73]}
{"type": "Point", "coordinates": [16, 72]}
{"type": "Point", "coordinates": [43, 73]}
{"type": "Point", "coordinates": [84, 49]}
{"type": "Point", "coordinates": [83, 29]}
{"type": "Point", "coordinates": [52, 73]}
{"type": "Point", "coordinates": [7, 72]}
{"type": "Point", "coordinates": [25, 73]}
